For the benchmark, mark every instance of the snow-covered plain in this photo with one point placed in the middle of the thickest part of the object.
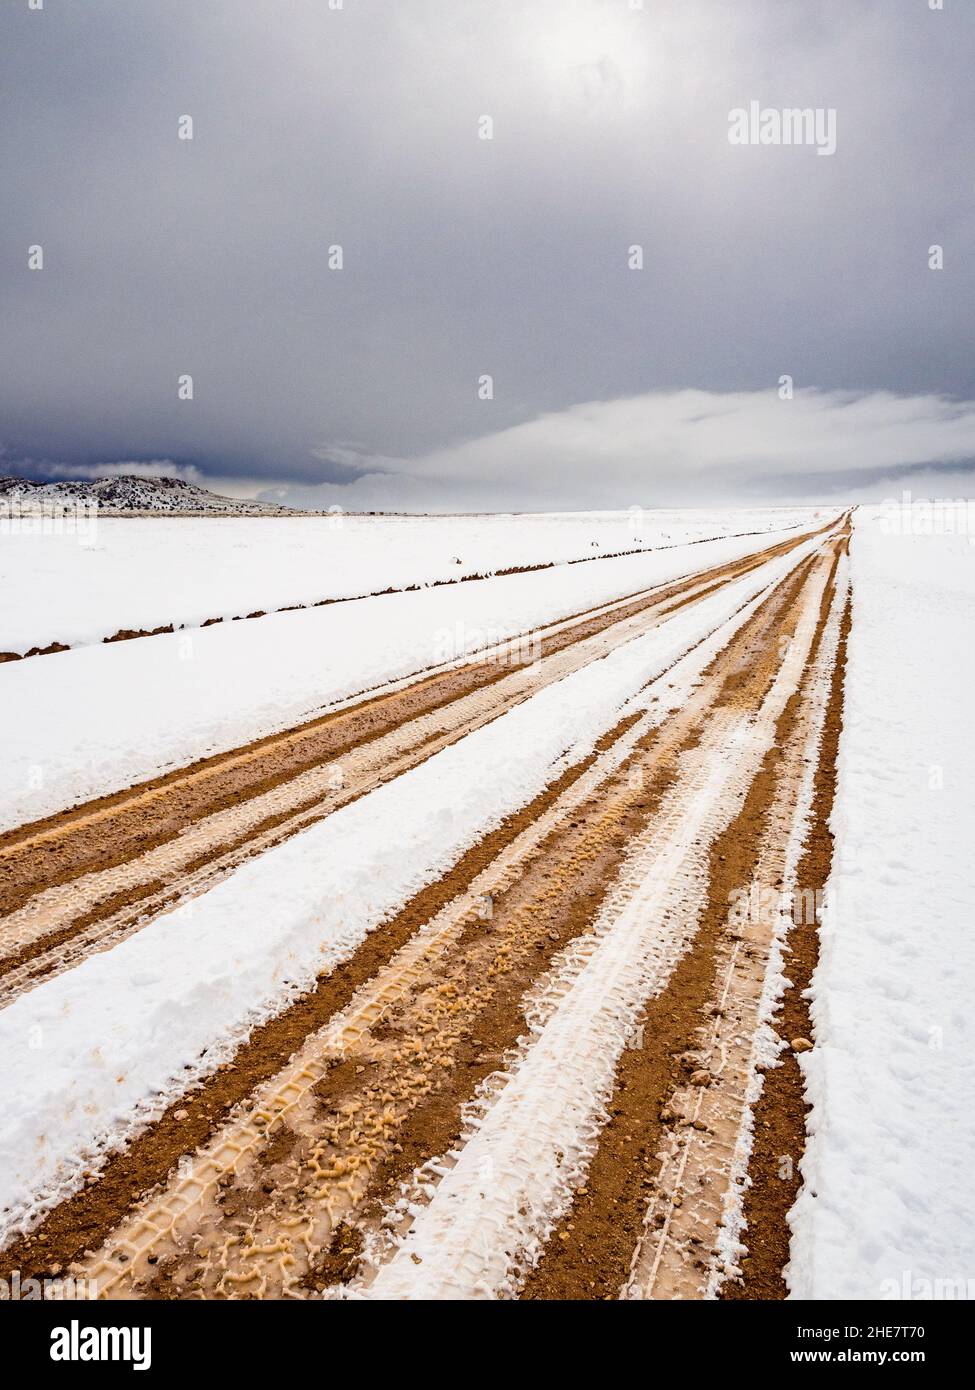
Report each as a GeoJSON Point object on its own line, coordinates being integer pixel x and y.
{"type": "Point", "coordinates": [97, 718]}
{"type": "Point", "coordinates": [176, 998]}
{"type": "Point", "coordinates": [145, 573]}
{"type": "Point", "coordinates": [887, 1209]}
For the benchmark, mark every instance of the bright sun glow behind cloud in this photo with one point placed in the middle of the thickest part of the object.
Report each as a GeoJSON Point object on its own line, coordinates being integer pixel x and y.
{"type": "Point", "coordinates": [590, 55]}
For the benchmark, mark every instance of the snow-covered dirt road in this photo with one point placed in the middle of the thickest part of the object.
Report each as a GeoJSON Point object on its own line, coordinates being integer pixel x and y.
{"type": "Point", "coordinates": [124, 576]}
{"type": "Point", "coordinates": [456, 989]}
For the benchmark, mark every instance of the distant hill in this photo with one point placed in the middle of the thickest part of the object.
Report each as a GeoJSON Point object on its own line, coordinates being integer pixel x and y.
{"type": "Point", "coordinates": [129, 495]}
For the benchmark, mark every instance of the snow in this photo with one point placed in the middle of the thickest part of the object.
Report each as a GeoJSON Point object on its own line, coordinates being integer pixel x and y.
{"type": "Point", "coordinates": [177, 998]}
{"type": "Point", "coordinates": [95, 719]}
{"type": "Point", "coordinates": [513, 1178]}
{"type": "Point", "coordinates": [139, 574]}
{"type": "Point", "coordinates": [81, 499]}
{"type": "Point", "coordinates": [767, 1045]}
{"type": "Point", "coordinates": [887, 1209]}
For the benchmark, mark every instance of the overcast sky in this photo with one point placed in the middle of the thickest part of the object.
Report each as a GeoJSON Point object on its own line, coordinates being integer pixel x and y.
{"type": "Point", "coordinates": [509, 258]}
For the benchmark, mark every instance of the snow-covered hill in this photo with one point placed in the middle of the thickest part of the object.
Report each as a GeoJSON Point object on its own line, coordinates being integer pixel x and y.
{"type": "Point", "coordinates": [129, 494]}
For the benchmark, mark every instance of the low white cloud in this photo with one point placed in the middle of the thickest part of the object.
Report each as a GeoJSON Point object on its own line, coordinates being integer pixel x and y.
{"type": "Point", "coordinates": [153, 468]}
{"type": "Point", "coordinates": [128, 468]}
{"type": "Point", "coordinates": [672, 448]}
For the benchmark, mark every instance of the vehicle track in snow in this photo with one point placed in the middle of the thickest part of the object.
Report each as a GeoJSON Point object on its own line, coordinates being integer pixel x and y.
{"type": "Point", "coordinates": [49, 647]}
{"type": "Point", "coordinates": [306, 1176]}
{"type": "Point", "coordinates": [697, 1208]}
{"type": "Point", "coordinates": [85, 880]}
{"type": "Point", "coordinates": [482, 1215]}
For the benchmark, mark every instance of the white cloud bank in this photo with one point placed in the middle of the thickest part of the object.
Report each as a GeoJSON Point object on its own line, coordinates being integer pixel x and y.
{"type": "Point", "coordinates": [131, 468]}
{"type": "Point", "coordinates": [675, 448]}
{"type": "Point", "coordinates": [128, 468]}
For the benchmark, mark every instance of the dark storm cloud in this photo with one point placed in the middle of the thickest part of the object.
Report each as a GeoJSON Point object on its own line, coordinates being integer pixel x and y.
{"type": "Point", "coordinates": [463, 257]}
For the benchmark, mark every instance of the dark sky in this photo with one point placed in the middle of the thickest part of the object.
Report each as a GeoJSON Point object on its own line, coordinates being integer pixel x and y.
{"type": "Point", "coordinates": [359, 126]}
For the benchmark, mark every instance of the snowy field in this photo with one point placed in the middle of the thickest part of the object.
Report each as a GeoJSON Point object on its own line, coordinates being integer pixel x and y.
{"type": "Point", "coordinates": [101, 717]}
{"type": "Point", "coordinates": [180, 995]}
{"type": "Point", "coordinates": [147, 573]}
{"type": "Point", "coordinates": [887, 1209]}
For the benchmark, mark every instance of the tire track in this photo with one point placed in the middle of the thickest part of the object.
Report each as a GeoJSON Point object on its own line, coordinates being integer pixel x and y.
{"type": "Point", "coordinates": [772, 1179]}
{"type": "Point", "coordinates": [698, 1201]}
{"type": "Point", "coordinates": [529, 1141]}
{"type": "Point", "coordinates": [56, 926]}
{"type": "Point", "coordinates": [658, 1213]}
{"type": "Point", "coordinates": [131, 634]}
{"type": "Point", "coordinates": [290, 1101]}
{"type": "Point", "coordinates": [442, 982]}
